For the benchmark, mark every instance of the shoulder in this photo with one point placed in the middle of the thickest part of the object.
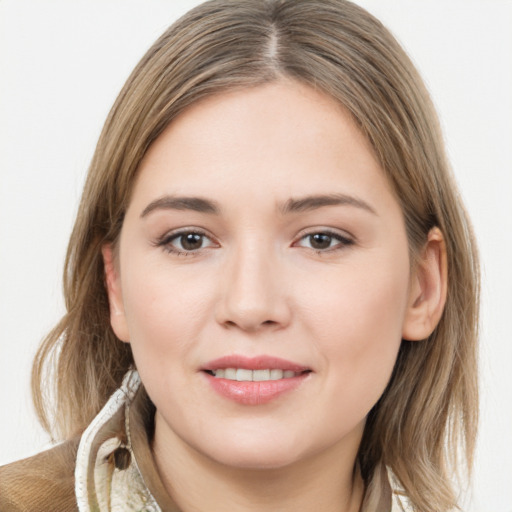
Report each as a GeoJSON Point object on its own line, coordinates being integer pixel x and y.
{"type": "Point", "coordinates": [42, 482]}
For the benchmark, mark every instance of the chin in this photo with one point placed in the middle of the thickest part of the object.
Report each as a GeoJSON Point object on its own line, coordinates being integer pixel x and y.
{"type": "Point", "coordinates": [255, 454]}
{"type": "Point", "coordinates": [258, 460]}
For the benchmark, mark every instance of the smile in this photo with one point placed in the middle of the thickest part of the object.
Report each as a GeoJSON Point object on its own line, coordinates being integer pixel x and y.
{"type": "Point", "coordinates": [244, 375]}
{"type": "Point", "coordinates": [254, 380]}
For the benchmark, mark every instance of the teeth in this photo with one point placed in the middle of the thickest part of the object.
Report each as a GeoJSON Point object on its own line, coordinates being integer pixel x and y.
{"type": "Point", "coordinates": [230, 373]}
{"type": "Point", "coordinates": [276, 374]}
{"type": "Point", "coordinates": [243, 375]}
{"type": "Point", "coordinates": [259, 375]}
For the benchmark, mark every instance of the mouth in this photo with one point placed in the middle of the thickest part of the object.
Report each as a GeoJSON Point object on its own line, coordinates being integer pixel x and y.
{"type": "Point", "coordinates": [245, 375]}
{"type": "Point", "coordinates": [256, 380]}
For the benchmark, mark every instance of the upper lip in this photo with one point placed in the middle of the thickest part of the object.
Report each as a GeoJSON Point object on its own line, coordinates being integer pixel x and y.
{"type": "Point", "coordinates": [262, 362]}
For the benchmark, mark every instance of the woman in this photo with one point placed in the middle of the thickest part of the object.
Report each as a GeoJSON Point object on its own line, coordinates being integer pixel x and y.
{"type": "Point", "coordinates": [270, 235]}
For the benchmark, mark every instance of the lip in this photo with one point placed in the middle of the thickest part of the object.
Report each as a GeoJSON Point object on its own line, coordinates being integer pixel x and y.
{"type": "Point", "coordinates": [254, 393]}
{"type": "Point", "coordinates": [254, 363]}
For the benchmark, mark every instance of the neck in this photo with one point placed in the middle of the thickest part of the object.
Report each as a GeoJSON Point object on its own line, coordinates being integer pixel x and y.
{"type": "Point", "coordinates": [324, 481]}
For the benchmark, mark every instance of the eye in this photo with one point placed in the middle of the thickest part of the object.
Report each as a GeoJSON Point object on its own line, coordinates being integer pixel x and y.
{"type": "Point", "coordinates": [324, 241]}
{"type": "Point", "coordinates": [185, 242]}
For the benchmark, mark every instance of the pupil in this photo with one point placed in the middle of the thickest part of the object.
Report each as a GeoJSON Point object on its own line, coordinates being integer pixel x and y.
{"type": "Point", "coordinates": [191, 241]}
{"type": "Point", "coordinates": [320, 241]}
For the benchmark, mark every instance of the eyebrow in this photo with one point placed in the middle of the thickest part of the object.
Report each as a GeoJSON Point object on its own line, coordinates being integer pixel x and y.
{"type": "Point", "coordinates": [197, 204]}
{"type": "Point", "coordinates": [318, 201]}
{"type": "Point", "coordinates": [303, 204]}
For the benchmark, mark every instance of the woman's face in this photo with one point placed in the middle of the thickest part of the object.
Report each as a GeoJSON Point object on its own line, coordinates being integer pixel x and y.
{"type": "Point", "coordinates": [263, 278]}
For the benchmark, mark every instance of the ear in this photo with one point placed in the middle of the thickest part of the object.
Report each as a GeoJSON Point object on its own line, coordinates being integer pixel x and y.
{"type": "Point", "coordinates": [115, 298]}
{"type": "Point", "coordinates": [427, 295]}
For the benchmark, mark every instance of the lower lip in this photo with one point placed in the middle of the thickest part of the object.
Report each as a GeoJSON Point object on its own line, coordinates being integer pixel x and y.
{"type": "Point", "coordinates": [254, 393]}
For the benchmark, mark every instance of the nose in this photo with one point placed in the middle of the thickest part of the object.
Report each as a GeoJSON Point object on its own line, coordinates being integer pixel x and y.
{"type": "Point", "coordinates": [253, 292]}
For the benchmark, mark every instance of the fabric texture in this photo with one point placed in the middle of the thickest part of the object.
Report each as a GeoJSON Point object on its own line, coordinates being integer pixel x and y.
{"type": "Point", "coordinates": [41, 483]}
{"type": "Point", "coordinates": [110, 468]}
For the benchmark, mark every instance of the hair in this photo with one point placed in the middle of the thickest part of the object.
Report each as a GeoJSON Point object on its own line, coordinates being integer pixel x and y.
{"type": "Point", "coordinates": [428, 412]}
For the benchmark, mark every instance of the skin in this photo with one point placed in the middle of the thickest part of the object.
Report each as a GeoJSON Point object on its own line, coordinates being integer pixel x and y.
{"type": "Point", "coordinates": [258, 283]}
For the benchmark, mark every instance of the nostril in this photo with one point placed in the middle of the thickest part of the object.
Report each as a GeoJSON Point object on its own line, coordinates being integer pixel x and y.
{"type": "Point", "coordinates": [231, 323]}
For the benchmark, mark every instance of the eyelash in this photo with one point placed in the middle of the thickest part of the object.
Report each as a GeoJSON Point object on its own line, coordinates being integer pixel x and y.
{"type": "Point", "coordinates": [166, 241]}
{"type": "Point", "coordinates": [343, 240]}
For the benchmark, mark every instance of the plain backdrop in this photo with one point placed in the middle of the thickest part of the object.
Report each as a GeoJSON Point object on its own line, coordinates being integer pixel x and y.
{"type": "Point", "coordinates": [62, 63]}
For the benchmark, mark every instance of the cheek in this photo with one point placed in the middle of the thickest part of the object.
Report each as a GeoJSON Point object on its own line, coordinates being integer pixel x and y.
{"type": "Point", "coordinates": [165, 310]}
{"type": "Point", "coordinates": [165, 317]}
{"type": "Point", "coordinates": [357, 327]}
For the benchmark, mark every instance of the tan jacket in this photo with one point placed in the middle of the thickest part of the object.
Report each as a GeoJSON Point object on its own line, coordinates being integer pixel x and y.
{"type": "Point", "coordinates": [110, 468]}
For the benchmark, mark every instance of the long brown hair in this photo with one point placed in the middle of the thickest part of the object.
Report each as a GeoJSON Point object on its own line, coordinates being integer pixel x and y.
{"type": "Point", "coordinates": [430, 405]}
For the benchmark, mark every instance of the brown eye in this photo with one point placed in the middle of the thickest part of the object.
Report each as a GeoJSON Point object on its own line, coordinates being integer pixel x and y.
{"type": "Point", "coordinates": [320, 241]}
{"type": "Point", "coordinates": [186, 242]}
{"type": "Point", "coordinates": [324, 241]}
{"type": "Point", "coordinates": [191, 241]}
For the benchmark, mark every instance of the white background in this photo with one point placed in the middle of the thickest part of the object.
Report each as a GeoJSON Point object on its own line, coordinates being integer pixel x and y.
{"type": "Point", "coordinates": [62, 63]}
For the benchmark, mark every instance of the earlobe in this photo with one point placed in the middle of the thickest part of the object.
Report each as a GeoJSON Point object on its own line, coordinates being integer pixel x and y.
{"type": "Point", "coordinates": [115, 299]}
{"type": "Point", "coordinates": [427, 296]}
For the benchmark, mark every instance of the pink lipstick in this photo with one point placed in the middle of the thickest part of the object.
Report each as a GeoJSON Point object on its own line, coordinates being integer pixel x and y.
{"type": "Point", "coordinates": [254, 380]}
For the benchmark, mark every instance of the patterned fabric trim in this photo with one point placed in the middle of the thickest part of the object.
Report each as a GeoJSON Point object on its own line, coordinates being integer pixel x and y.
{"type": "Point", "coordinates": [85, 487]}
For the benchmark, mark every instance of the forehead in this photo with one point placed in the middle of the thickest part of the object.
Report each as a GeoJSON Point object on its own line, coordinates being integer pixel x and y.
{"type": "Point", "coordinates": [282, 138]}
